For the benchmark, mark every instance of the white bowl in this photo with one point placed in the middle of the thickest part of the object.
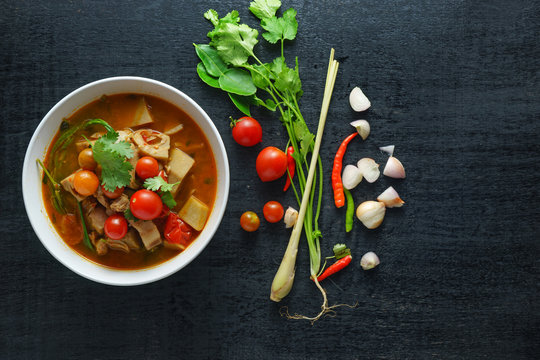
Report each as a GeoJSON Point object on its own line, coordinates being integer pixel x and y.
{"type": "Point", "coordinates": [31, 179]}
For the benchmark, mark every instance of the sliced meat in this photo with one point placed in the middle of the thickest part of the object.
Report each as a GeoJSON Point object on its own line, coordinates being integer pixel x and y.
{"type": "Point", "coordinates": [67, 184]}
{"type": "Point", "coordinates": [148, 231]}
{"type": "Point", "coordinates": [101, 247]}
{"type": "Point", "coordinates": [132, 240]}
{"type": "Point", "coordinates": [152, 143]}
{"type": "Point", "coordinates": [178, 166]}
{"type": "Point", "coordinates": [120, 204]}
{"type": "Point", "coordinates": [96, 218]}
{"type": "Point", "coordinates": [117, 245]}
{"type": "Point", "coordinates": [194, 212]}
{"type": "Point", "coordinates": [142, 114]}
{"type": "Point", "coordinates": [127, 135]}
{"type": "Point", "coordinates": [103, 200]}
{"type": "Point", "coordinates": [83, 143]}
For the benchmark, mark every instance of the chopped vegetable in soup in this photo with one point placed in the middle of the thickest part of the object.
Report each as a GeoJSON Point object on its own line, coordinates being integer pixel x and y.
{"type": "Point", "coordinates": [129, 181]}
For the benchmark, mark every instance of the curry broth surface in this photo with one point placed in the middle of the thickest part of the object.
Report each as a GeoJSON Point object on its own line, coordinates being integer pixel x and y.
{"type": "Point", "coordinates": [118, 110]}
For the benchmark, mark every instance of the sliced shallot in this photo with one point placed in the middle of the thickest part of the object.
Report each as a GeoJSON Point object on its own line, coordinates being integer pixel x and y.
{"type": "Point", "coordinates": [370, 169]}
{"type": "Point", "coordinates": [388, 149]}
{"type": "Point", "coordinates": [390, 198]}
{"type": "Point", "coordinates": [352, 176]}
{"type": "Point", "coordinates": [394, 168]}
{"type": "Point", "coordinates": [363, 128]}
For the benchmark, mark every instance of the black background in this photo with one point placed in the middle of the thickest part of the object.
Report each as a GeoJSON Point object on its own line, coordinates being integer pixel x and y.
{"type": "Point", "coordinates": [453, 84]}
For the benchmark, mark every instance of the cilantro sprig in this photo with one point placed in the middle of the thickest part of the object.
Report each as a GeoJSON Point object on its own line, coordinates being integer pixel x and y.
{"type": "Point", "coordinates": [229, 63]}
{"type": "Point", "coordinates": [163, 188]}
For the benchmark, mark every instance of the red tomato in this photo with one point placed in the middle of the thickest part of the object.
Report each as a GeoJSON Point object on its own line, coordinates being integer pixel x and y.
{"type": "Point", "coordinates": [273, 211]}
{"type": "Point", "coordinates": [145, 205]}
{"type": "Point", "coordinates": [177, 231]}
{"type": "Point", "coordinates": [112, 195]}
{"type": "Point", "coordinates": [116, 227]}
{"type": "Point", "coordinates": [247, 131]}
{"type": "Point", "coordinates": [271, 163]}
{"type": "Point", "coordinates": [85, 182]}
{"type": "Point", "coordinates": [249, 221]}
{"type": "Point", "coordinates": [147, 167]}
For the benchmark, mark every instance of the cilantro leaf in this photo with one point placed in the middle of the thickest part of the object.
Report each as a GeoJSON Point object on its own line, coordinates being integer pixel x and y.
{"type": "Point", "coordinates": [281, 28]}
{"type": "Point", "coordinates": [288, 80]}
{"type": "Point", "coordinates": [168, 199]}
{"type": "Point", "coordinates": [129, 215]}
{"type": "Point", "coordinates": [264, 8]}
{"type": "Point", "coordinates": [304, 136]}
{"type": "Point", "coordinates": [111, 154]}
{"type": "Point", "coordinates": [157, 183]}
{"type": "Point", "coordinates": [233, 42]}
{"type": "Point", "coordinates": [212, 16]}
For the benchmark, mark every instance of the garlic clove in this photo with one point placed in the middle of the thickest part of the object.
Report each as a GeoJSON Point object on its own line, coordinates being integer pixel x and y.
{"type": "Point", "coordinates": [363, 128]}
{"type": "Point", "coordinates": [370, 169]}
{"type": "Point", "coordinates": [394, 168]}
{"type": "Point", "coordinates": [291, 215]}
{"type": "Point", "coordinates": [359, 101]}
{"type": "Point", "coordinates": [369, 261]}
{"type": "Point", "coordinates": [390, 198]}
{"type": "Point", "coordinates": [371, 213]}
{"type": "Point", "coordinates": [388, 149]}
{"type": "Point", "coordinates": [352, 176]}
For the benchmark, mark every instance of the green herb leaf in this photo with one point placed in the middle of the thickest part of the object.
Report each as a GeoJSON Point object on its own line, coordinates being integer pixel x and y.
{"type": "Point", "coordinates": [211, 60]}
{"type": "Point", "coordinates": [158, 183]}
{"type": "Point", "coordinates": [238, 82]}
{"type": "Point", "coordinates": [168, 199]}
{"type": "Point", "coordinates": [288, 81]}
{"type": "Point", "coordinates": [212, 16]}
{"type": "Point", "coordinates": [129, 215]}
{"type": "Point", "coordinates": [304, 136]}
{"type": "Point", "coordinates": [233, 42]}
{"type": "Point", "coordinates": [241, 102]}
{"type": "Point", "coordinates": [111, 155]}
{"type": "Point", "coordinates": [281, 28]}
{"type": "Point", "coordinates": [264, 8]}
{"type": "Point", "coordinates": [341, 250]}
{"type": "Point", "coordinates": [207, 78]}
{"type": "Point", "coordinates": [260, 74]}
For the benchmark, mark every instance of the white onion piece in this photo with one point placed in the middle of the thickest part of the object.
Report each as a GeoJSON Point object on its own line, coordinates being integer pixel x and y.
{"type": "Point", "coordinates": [362, 126]}
{"type": "Point", "coordinates": [390, 198]}
{"type": "Point", "coordinates": [371, 213]}
{"type": "Point", "coordinates": [359, 101]}
{"type": "Point", "coordinates": [369, 168]}
{"type": "Point", "coordinates": [369, 261]}
{"type": "Point", "coordinates": [388, 149]}
{"type": "Point", "coordinates": [351, 177]}
{"type": "Point", "coordinates": [394, 168]}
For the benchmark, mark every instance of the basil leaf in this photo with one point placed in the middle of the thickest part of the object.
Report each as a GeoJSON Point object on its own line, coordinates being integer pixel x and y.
{"type": "Point", "coordinates": [241, 102]}
{"type": "Point", "coordinates": [238, 82]}
{"type": "Point", "coordinates": [211, 60]}
{"type": "Point", "coordinates": [207, 78]}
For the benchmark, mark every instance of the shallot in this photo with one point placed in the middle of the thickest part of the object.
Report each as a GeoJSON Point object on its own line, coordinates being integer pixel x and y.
{"type": "Point", "coordinates": [359, 101]}
{"type": "Point", "coordinates": [370, 169]}
{"type": "Point", "coordinates": [369, 261]}
{"type": "Point", "coordinates": [390, 198]}
{"type": "Point", "coordinates": [352, 176]}
{"type": "Point", "coordinates": [371, 213]}
{"type": "Point", "coordinates": [394, 168]}
{"type": "Point", "coordinates": [363, 128]}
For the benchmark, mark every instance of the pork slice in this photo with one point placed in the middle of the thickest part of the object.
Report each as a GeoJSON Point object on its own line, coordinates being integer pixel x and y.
{"type": "Point", "coordinates": [120, 204]}
{"type": "Point", "coordinates": [67, 184]}
{"type": "Point", "coordinates": [148, 231]}
{"type": "Point", "coordinates": [132, 240]}
{"type": "Point", "coordinates": [133, 161]}
{"type": "Point", "coordinates": [96, 219]}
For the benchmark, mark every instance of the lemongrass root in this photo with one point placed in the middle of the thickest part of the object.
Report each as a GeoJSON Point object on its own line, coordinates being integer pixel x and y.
{"type": "Point", "coordinates": [325, 309]}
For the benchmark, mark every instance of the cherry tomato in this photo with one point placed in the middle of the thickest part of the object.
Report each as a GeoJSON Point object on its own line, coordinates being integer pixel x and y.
{"type": "Point", "coordinates": [271, 163]}
{"type": "Point", "coordinates": [273, 211]}
{"type": "Point", "coordinates": [112, 195]}
{"type": "Point", "coordinates": [85, 182]}
{"type": "Point", "coordinates": [147, 167]}
{"type": "Point", "coordinates": [116, 227]}
{"type": "Point", "coordinates": [145, 205]}
{"type": "Point", "coordinates": [249, 221]}
{"type": "Point", "coordinates": [247, 131]}
{"type": "Point", "coordinates": [86, 159]}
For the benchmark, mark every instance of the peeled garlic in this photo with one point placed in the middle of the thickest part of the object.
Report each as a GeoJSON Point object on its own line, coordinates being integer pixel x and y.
{"type": "Point", "coordinates": [359, 101]}
{"type": "Point", "coordinates": [291, 215]}
{"type": "Point", "coordinates": [369, 261]}
{"type": "Point", "coordinates": [390, 198]}
{"type": "Point", "coordinates": [362, 126]}
{"type": "Point", "coordinates": [369, 168]}
{"type": "Point", "coordinates": [388, 149]}
{"type": "Point", "coordinates": [371, 213]}
{"type": "Point", "coordinates": [351, 177]}
{"type": "Point", "coordinates": [394, 168]}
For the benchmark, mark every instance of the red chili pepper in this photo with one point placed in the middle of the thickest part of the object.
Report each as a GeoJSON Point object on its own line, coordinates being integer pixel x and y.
{"type": "Point", "coordinates": [163, 175]}
{"type": "Point", "coordinates": [291, 165]}
{"type": "Point", "coordinates": [335, 267]}
{"type": "Point", "coordinates": [337, 185]}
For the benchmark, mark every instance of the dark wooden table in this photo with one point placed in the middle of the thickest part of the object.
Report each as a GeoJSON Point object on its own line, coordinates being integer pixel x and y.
{"type": "Point", "coordinates": [454, 85]}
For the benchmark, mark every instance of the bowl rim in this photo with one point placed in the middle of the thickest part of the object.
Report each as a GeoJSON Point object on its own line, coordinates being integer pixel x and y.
{"type": "Point", "coordinates": [156, 272]}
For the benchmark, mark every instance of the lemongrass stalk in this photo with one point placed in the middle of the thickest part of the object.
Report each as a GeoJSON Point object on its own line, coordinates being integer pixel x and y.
{"type": "Point", "coordinates": [284, 278]}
